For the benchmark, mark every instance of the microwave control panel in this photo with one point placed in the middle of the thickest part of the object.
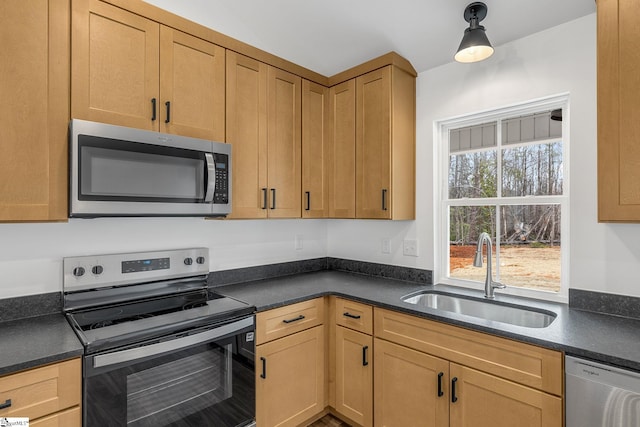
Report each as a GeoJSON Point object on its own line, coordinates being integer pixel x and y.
{"type": "Point", "coordinates": [221, 194]}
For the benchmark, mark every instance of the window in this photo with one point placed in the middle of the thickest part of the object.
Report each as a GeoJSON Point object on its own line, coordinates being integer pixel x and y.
{"type": "Point", "coordinates": [504, 172]}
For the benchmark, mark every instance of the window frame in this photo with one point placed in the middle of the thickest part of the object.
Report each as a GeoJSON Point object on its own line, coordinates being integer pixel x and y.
{"type": "Point", "coordinates": [442, 202]}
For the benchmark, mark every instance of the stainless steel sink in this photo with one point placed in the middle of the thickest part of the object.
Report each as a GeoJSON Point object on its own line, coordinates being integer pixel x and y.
{"type": "Point", "coordinates": [489, 310]}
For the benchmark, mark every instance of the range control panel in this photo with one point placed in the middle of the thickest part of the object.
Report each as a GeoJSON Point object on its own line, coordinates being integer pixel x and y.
{"type": "Point", "coordinates": [97, 271]}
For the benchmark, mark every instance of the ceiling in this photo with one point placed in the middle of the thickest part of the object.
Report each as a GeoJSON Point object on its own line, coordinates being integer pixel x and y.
{"type": "Point", "coordinates": [329, 36]}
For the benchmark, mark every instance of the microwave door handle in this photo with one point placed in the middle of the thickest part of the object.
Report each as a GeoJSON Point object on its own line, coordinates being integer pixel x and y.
{"type": "Point", "coordinates": [210, 177]}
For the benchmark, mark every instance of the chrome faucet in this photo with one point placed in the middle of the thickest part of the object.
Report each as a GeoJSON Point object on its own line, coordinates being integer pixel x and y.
{"type": "Point", "coordinates": [489, 284]}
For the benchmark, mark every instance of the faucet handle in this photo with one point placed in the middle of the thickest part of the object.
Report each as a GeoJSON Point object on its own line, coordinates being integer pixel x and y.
{"type": "Point", "coordinates": [498, 285]}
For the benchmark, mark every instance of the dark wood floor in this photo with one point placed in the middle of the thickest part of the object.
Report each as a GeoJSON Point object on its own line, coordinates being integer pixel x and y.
{"type": "Point", "coordinates": [329, 421]}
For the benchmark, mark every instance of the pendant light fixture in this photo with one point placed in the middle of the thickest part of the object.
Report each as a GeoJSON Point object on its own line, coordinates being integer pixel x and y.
{"type": "Point", "coordinates": [475, 45]}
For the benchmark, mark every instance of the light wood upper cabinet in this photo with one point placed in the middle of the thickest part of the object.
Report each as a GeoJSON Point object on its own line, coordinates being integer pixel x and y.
{"type": "Point", "coordinates": [34, 114]}
{"type": "Point", "coordinates": [247, 133]}
{"type": "Point", "coordinates": [618, 111]}
{"type": "Point", "coordinates": [192, 79]}
{"type": "Point", "coordinates": [315, 164]}
{"type": "Point", "coordinates": [264, 129]}
{"type": "Point", "coordinates": [341, 168]}
{"type": "Point", "coordinates": [115, 59]}
{"type": "Point", "coordinates": [385, 144]}
{"type": "Point", "coordinates": [131, 71]}
{"type": "Point", "coordinates": [284, 123]}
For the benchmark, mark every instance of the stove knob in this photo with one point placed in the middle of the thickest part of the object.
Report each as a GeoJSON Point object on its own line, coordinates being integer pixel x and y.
{"type": "Point", "coordinates": [200, 260]}
{"type": "Point", "coordinates": [188, 261]}
{"type": "Point", "coordinates": [97, 269]}
{"type": "Point", "coordinates": [78, 271]}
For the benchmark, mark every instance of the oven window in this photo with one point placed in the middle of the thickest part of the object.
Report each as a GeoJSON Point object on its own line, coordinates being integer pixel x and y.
{"type": "Point", "coordinates": [210, 384]}
{"type": "Point", "coordinates": [117, 171]}
{"type": "Point", "coordinates": [175, 390]}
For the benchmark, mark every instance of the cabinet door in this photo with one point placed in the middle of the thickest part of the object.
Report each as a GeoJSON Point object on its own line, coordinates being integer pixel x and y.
{"type": "Point", "coordinates": [342, 150]}
{"type": "Point", "coordinates": [483, 400]}
{"type": "Point", "coordinates": [284, 144]}
{"type": "Point", "coordinates": [315, 109]}
{"type": "Point", "coordinates": [192, 80]}
{"type": "Point", "coordinates": [407, 391]}
{"type": "Point", "coordinates": [34, 114]}
{"type": "Point", "coordinates": [290, 379]}
{"type": "Point", "coordinates": [354, 375]}
{"type": "Point", "coordinates": [373, 145]}
{"type": "Point", "coordinates": [247, 133]}
{"type": "Point", "coordinates": [618, 111]}
{"type": "Point", "coordinates": [115, 66]}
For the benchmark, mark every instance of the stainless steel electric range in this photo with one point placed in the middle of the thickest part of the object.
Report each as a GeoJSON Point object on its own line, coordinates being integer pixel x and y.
{"type": "Point", "coordinates": [160, 349]}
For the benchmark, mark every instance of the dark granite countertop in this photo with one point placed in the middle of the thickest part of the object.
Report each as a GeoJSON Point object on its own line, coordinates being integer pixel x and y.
{"type": "Point", "coordinates": [608, 339]}
{"type": "Point", "coordinates": [35, 341]}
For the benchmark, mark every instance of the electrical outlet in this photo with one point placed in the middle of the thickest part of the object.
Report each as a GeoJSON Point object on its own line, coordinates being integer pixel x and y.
{"type": "Point", "coordinates": [298, 242]}
{"type": "Point", "coordinates": [386, 246]}
{"type": "Point", "coordinates": [410, 248]}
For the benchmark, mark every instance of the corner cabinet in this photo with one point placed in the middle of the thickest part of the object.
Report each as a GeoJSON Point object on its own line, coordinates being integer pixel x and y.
{"type": "Point", "coordinates": [354, 361]}
{"type": "Point", "coordinates": [48, 396]}
{"type": "Point", "coordinates": [131, 71]}
{"type": "Point", "coordinates": [263, 116]}
{"type": "Point", "coordinates": [290, 364]}
{"type": "Point", "coordinates": [618, 111]}
{"type": "Point", "coordinates": [372, 146]}
{"type": "Point", "coordinates": [35, 115]}
{"type": "Point", "coordinates": [342, 150]}
{"type": "Point", "coordinates": [385, 144]}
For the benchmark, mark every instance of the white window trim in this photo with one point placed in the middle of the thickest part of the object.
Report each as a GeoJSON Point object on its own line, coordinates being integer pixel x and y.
{"type": "Point", "coordinates": [441, 167]}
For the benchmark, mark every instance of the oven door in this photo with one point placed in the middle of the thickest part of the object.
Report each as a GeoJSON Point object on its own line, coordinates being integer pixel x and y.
{"type": "Point", "coordinates": [195, 379]}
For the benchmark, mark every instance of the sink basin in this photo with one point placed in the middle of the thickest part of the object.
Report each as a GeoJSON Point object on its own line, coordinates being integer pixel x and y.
{"type": "Point", "coordinates": [489, 310]}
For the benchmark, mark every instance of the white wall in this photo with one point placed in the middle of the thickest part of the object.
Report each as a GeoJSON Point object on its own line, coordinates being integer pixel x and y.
{"type": "Point", "coordinates": [31, 254]}
{"type": "Point", "coordinates": [603, 257]}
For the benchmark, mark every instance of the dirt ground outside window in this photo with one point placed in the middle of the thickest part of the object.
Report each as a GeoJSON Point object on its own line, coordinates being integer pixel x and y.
{"type": "Point", "coordinates": [522, 266]}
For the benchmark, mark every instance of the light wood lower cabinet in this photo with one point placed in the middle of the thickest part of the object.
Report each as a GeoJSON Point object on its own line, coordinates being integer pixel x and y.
{"type": "Point", "coordinates": [290, 364]}
{"type": "Point", "coordinates": [290, 379]}
{"type": "Point", "coordinates": [484, 400]}
{"type": "Point", "coordinates": [429, 363]}
{"type": "Point", "coordinates": [406, 387]}
{"type": "Point", "coordinates": [48, 396]}
{"type": "Point", "coordinates": [354, 375]}
{"type": "Point", "coordinates": [412, 372]}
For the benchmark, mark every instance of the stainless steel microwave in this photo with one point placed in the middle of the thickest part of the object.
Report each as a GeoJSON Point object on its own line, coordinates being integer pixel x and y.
{"type": "Point", "coordinates": [119, 171]}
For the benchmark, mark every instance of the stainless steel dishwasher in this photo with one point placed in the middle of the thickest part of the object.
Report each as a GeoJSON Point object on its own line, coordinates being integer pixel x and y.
{"type": "Point", "coordinates": [598, 395]}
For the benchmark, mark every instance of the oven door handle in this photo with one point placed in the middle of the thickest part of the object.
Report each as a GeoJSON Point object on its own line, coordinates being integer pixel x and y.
{"type": "Point", "coordinates": [132, 354]}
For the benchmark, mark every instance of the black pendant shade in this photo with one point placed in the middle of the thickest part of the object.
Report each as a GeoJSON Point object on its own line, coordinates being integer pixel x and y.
{"type": "Point", "coordinates": [475, 45]}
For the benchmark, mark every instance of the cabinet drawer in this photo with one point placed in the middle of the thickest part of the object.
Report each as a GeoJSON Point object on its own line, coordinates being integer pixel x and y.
{"type": "Point", "coordinates": [287, 320]}
{"type": "Point", "coordinates": [41, 391]}
{"type": "Point", "coordinates": [354, 315]}
{"type": "Point", "coordinates": [523, 363]}
{"type": "Point", "coordinates": [69, 418]}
